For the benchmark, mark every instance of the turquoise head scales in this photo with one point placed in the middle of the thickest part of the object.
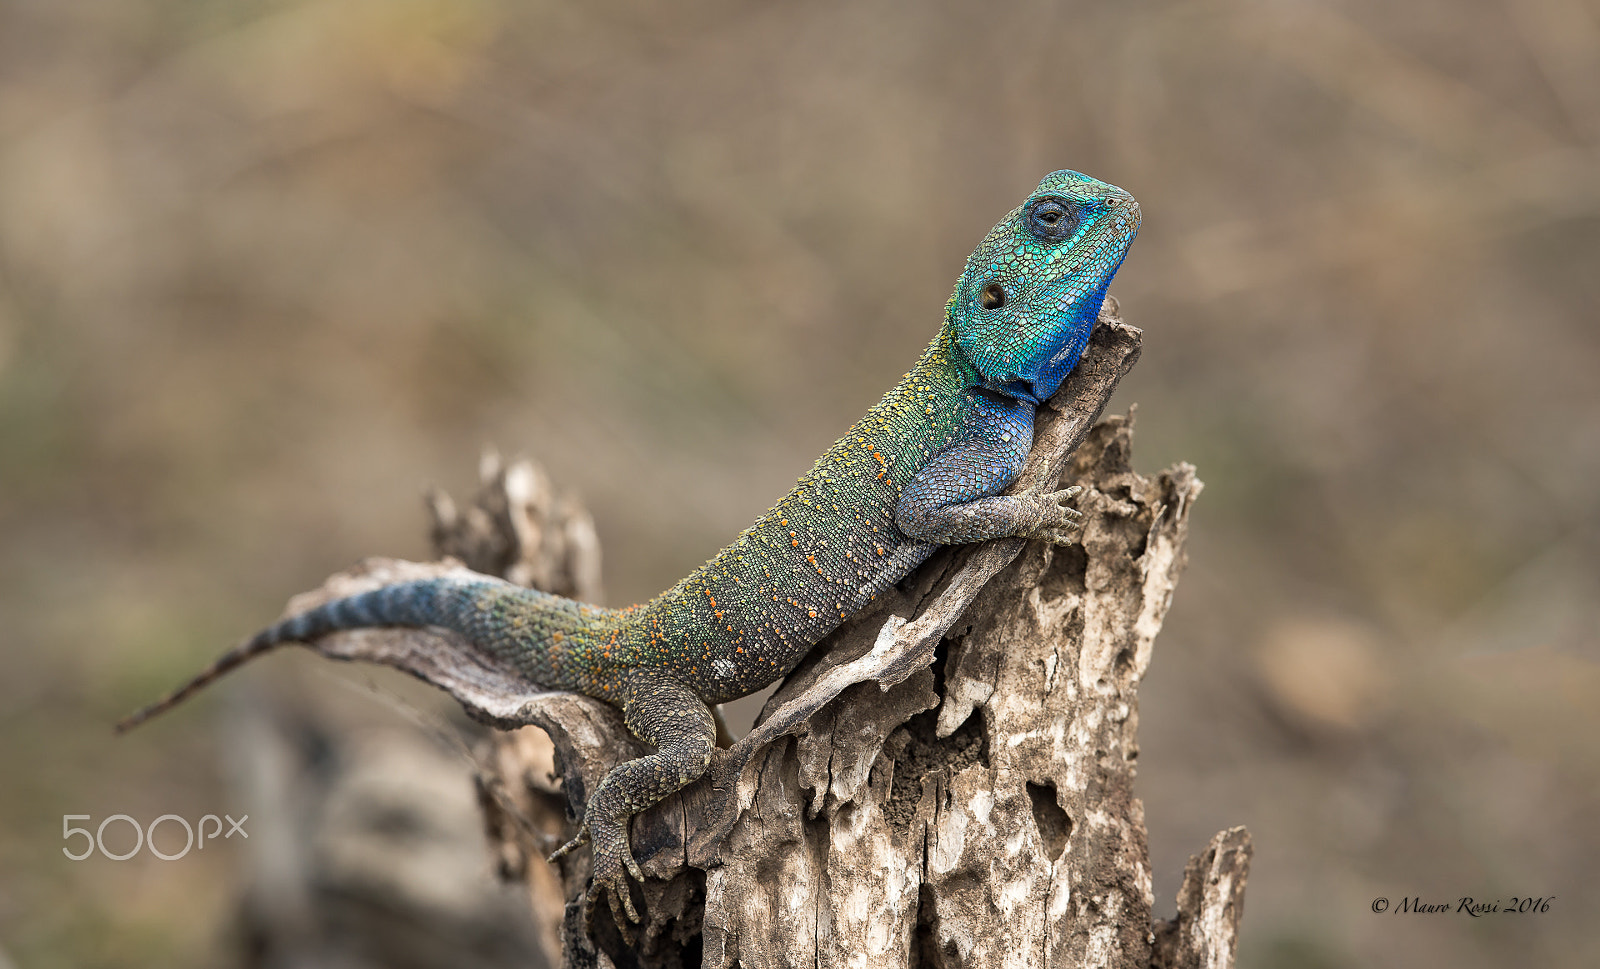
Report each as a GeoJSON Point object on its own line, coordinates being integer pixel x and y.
{"type": "Point", "coordinates": [1022, 311]}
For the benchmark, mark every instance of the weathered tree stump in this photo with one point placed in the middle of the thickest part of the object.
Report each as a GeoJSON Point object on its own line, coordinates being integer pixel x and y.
{"type": "Point", "coordinates": [947, 780]}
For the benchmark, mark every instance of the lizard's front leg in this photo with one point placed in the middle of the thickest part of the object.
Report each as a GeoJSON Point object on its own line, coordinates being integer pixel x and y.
{"type": "Point", "coordinates": [669, 715]}
{"type": "Point", "coordinates": [952, 500]}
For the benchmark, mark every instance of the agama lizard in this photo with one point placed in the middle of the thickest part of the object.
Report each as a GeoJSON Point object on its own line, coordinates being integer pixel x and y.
{"type": "Point", "coordinates": [923, 468]}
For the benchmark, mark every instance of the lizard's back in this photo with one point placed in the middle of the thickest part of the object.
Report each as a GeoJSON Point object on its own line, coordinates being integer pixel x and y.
{"type": "Point", "coordinates": [747, 616]}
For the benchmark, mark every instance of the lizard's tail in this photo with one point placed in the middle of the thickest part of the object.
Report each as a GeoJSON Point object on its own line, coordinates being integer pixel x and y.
{"type": "Point", "coordinates": [447, 602]}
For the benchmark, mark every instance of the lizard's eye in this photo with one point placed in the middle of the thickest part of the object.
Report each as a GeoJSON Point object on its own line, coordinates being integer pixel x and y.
{"type": "Point", "coordinates": [992, 297]}
{"type": "Point", "coordinates": [1051, 220]}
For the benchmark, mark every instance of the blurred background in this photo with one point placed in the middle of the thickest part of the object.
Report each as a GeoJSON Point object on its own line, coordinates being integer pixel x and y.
{"type": "Point", "coordinates": [269, 269]}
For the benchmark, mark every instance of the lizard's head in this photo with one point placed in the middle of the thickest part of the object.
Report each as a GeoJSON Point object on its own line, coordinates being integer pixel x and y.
{"type": "Point", "coordinates": [1022, 312]}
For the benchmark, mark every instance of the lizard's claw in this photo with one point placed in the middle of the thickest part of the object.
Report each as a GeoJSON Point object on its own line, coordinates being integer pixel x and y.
{"type": "Point", "coordinates": [1057, 520]}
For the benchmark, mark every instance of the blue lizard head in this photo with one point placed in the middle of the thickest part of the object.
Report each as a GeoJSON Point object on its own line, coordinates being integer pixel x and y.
{"type": "Point", "coordinates": [1022, 312]}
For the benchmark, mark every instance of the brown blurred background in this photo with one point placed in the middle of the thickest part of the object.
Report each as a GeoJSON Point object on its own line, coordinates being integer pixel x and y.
{"type": "Point", "coordinates": [268, 269]}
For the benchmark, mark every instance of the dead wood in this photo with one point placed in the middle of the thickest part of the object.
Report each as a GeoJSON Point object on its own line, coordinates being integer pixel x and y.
{"type": "Point", "coordinates": [946, 780]}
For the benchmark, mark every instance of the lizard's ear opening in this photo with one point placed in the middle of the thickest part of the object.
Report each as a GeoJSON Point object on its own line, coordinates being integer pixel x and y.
{"type": "Point", "coordinates": [993, 297]}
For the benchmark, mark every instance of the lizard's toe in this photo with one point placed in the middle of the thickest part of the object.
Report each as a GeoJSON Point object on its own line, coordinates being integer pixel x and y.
{"type": "Point", "coordinates": [1060, 498]}
{"type": "Point", "coordinates": [567, 849]}
{"type": "Point", "coordinates": [633, 869]}
{"type": "Point", "coordinates": [614, 886]}
{"type": "Point", "coordinates": [623, 914]}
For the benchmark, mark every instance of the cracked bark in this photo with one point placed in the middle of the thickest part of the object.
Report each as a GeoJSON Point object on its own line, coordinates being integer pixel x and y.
{"type": "Point", "coordinates": [947, 780]}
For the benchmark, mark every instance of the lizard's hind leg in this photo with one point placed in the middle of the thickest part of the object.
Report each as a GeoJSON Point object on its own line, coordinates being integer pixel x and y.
{"type": "Point", "coordinates": [669, 715]}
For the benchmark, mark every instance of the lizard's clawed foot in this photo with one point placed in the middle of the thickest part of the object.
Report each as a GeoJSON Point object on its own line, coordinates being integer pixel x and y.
{"type": "Point", "coordinates": [1058, 521]}
{"type": "Point", "coordinates": [611, 880]}
{"type": "Point", "coordinates": [613, 863]}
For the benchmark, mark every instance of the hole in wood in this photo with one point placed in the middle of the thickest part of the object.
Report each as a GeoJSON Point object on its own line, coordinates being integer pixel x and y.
{"type": "Point", "coordinates": [1054, 823]}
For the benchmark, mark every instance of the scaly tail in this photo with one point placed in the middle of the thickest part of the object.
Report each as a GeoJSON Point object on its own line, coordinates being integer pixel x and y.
{"type": "Point", "coordinates": [452, 603]}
